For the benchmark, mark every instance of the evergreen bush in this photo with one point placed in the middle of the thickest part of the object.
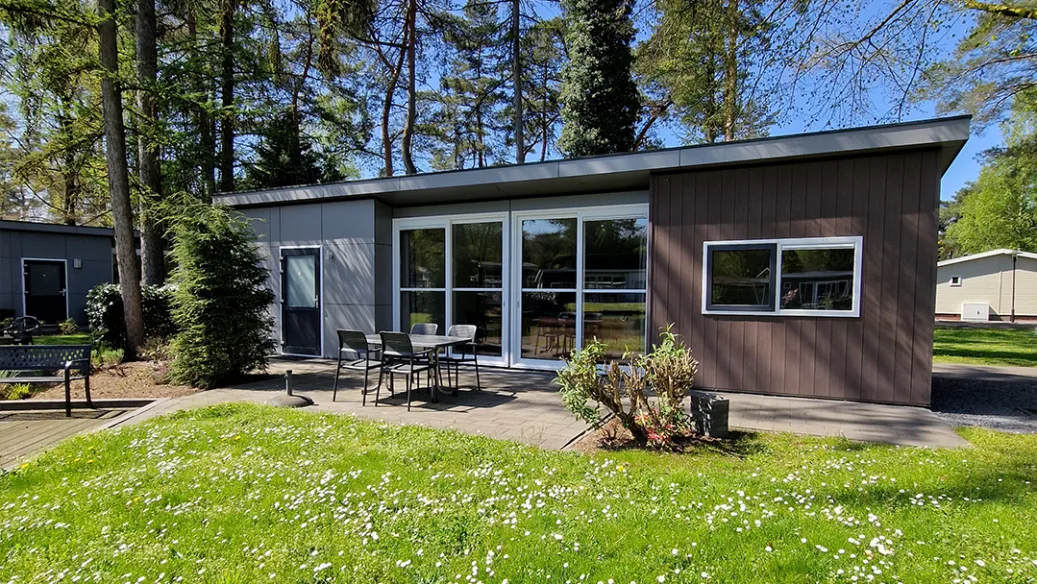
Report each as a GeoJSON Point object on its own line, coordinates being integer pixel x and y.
{"type": "Point", "coordinates": [220, 303]}
{"type": "Point", "coordinates": [107, 323]}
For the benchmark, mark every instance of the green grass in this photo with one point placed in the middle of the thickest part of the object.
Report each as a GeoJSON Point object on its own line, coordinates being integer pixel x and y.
{"type": "Point", "coordinates": [986, 346]}
{"type": "Point", "coordinates": [76, 339]}
{"type": "Point", "coordinates": [245, 493]}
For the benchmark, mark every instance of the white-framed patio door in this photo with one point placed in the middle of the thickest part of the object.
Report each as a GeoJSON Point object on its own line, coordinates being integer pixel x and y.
{"type": "Point", "coordinates": [453, 270]}
{"type": "Point", "coordinates": [578, 274]}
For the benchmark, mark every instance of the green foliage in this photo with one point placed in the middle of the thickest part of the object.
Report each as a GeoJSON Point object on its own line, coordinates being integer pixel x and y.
{"type": "Point", "coordinates": [103, 357]}
{"type": "Point", "coordinates": [69, 327]}
{"type": "Point", "coordinates": [599, 99]}
{"type": "Point", "coordinates": [999, 210]}
{"type": "Point", "coordinates": [285, 157]}
{"type": "Point", "coordinates": [626, 389]}
{"type": "Point", "coordinates": [13, 391]}
{"type": "Point", "coordinates": [105, 315]}
{"type": "Point", "coordinates": [220, 303]}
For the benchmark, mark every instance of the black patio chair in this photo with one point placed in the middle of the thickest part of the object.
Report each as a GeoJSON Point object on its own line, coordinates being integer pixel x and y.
{"type": "Point", "coordinates": [20, 330]}
{"type": "Point", "coordinates": [459, 354]}
{"type": "Point", "coordinates": [424, 328]}
{"type": "Point", "coordinates": [358, 358]}
{"type": "Point", "coordinates": [399, 357]}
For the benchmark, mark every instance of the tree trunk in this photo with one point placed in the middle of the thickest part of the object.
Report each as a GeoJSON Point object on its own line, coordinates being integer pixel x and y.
{"type": "Point", "coordinates": [203, 121]}
{"type": "Point", "coordinates": [411, 43]}
{"type": "Point", "coordinates": [69, 178]}
{"type": "Point", "coordinates": [228, 116]}
{"type": "Point", "coordinates": [516, 75]}
{"type": "Point", "coordinates": [390, 90]}
{"type": "Point", "coordinates": [151, 257]}
{"type": "Point", "coordinates": [731, 71]}
{"type": "Point", "coordinates": [118, 178]}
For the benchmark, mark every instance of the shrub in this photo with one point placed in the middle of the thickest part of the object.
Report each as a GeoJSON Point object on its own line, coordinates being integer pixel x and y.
{"type": "Point", "coordinates": [220, 303]}
{"type": "Point", "coordinates": [15, 391]}
{"type": "Point", "coordinates": [103, 357]}
{"type": "Point", "coordinates": [68, 327]}
{"type": "Point", "coordinates": [669, 370]}
{"type": "Point", "coordinates": [105, 316]}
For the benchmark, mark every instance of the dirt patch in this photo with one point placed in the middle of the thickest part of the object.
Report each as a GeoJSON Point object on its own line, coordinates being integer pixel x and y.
{"type": "Point", "coordinates": [129, 380]}
{"type": "Point", "coordinates": [613, 437]}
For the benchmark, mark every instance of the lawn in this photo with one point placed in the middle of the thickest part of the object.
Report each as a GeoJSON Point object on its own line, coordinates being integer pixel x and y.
{"type": "Point", "coordinates": [986, 346]}
{"type": "Point", "coordinates": [245, 493]}
{"type": "Point", "coordinates": [76, 339]}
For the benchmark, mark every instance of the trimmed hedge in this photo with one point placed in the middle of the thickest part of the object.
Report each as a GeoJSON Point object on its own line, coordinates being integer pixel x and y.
{"type": "Point", "coordinates": [107, 324]}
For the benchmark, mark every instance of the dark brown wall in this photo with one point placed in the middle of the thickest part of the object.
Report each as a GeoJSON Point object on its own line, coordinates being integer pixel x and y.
{"type": "Point", "coordinates": [891, 200]}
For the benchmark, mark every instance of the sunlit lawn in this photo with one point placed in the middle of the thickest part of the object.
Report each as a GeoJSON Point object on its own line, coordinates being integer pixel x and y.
{"type": "Point", "coordinates": [1006, 346]}
{"type": "Point", "coordinates": [247, 494]}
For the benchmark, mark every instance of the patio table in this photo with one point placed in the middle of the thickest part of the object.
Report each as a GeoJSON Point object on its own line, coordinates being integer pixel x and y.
{"type": "Point", "coordinates": [431, 343]}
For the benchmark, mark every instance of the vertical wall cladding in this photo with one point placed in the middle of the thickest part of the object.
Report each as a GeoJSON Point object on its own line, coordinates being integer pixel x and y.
{"type": "Point", "coordinates": [890, 199]}
{"type": "Point", "coordinates": [345, 230]}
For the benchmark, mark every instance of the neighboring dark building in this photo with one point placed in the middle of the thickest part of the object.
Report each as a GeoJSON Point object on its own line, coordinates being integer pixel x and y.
{"type": "Point", "coordinates": [818, 253]}
{"type": "Point", "coordinates": [46, 270]}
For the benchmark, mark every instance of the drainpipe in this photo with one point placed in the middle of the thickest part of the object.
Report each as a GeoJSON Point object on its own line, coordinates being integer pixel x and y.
{"type": "Point", "coordinates": [1014, 259]}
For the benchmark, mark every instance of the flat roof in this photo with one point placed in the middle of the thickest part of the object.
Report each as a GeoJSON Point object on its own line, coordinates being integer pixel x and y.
{"type": "Point", "coordinates": [987, 254]}
{"type": "Point", "coordinates": [55, 228]}
{"type": "Point", "coordinates": [616, 172]}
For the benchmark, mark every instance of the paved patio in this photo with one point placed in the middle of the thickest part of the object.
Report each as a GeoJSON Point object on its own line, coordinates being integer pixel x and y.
{"type": "Point", "coordinates": [524, 406]}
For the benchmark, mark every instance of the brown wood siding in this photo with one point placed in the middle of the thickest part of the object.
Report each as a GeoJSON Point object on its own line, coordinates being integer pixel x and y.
{"type": "Point", "coordinates": [890, 199]}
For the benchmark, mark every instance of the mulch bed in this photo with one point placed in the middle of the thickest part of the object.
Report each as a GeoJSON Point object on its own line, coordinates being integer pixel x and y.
{"type": "Point", "coordinates": [128, 380]}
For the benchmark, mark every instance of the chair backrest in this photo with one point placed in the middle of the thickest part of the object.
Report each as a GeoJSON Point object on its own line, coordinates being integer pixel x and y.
{"type": "Point", "coordinates": [355, 341]}
{"type": "Point", "coordinates": [424, 328]}
{"type": "Point", "coordinates": [396, 344]}
{"type": "Point", "coordinates": [465, 331]}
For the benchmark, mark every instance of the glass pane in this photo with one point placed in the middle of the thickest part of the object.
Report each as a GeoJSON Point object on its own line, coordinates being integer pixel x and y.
{"type": "Point", "coordinates": [476, 248]}
{"type": "Point", "coordinates": [422, 258]}
{"type": "Point", "coordinates": [616, 254]}
{"type": "Point", "coordinates": [548, 324]}
{"type": "Point", "coordinates": [618, 320]}
{"type": "Point", "coordinates": [422, 307]}
{"type": "Point", "coordinates": [817, 279]}
{"type": "Point", "coordinates": [302, 281]}
{"type": "Point", "coordinates": [45, 279]}
{"type": "Point", "coordinates": [741, 277]}
{"type": "Point", "coordinates": [483, 309]}
{"type": "Point", "coordinates": [549, 253]}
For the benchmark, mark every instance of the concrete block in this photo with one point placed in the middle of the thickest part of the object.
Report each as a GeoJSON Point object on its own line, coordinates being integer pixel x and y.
{"type": "Point", "coordinates": [710, 413]}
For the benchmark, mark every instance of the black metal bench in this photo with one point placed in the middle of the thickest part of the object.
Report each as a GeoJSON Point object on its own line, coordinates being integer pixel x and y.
{"type": "Point", "coordinates": [47, 358]}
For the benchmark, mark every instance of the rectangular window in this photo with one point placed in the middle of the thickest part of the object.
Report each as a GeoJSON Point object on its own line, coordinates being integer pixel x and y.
{"type": "Point", "coordinates": [805, 276]}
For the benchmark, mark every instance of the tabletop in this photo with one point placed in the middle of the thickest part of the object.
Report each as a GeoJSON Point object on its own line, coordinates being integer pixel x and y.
{"type": "Point", "coordinates": [425, 341]}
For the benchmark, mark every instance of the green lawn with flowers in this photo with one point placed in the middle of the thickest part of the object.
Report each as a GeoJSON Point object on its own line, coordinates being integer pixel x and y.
{"type": "Point", "coordinates": [244, 493]}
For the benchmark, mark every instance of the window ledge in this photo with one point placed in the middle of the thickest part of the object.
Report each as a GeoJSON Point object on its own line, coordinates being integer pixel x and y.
{"type": "Point", "coordinates": [785, 313]}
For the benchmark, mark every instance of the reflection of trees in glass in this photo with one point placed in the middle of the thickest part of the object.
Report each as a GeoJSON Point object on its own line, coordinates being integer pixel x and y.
{"type": "Point", "coordinates": [477, 254]}
{"type": "Point", "coordinates": [549, 245]}
{"type": "Point", "coordinates": [422, 259]}
{"type": "Point", "coordinates": [741, 277]}
{"type": "Point", "coordinates": [819, 279]}
{"type": "Point", "coordinates": [616, 253]}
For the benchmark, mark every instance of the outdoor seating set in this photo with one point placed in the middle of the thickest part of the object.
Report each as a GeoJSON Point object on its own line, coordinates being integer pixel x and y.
{"type": "Point", "coordinates": [69, 362]}
{"type": "Point", "coordinates": [412, 354]}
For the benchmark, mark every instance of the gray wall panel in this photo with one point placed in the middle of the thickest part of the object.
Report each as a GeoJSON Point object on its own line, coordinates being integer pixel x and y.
{"type": "Point", "coordinates": [352, 221]}
{"type": "Point", "coordinates": [349, 273]}
{"type": "Point", "coordinates": [43, 245]}
{"type": "Point", "coordinates": [300, 224]}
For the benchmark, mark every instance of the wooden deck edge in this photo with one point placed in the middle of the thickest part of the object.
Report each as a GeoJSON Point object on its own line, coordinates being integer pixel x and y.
{"type": "Point", "coordinates": [59, 404]}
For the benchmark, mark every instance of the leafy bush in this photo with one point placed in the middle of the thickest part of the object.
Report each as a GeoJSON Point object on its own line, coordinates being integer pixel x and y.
{"type": "Point", "coordinates": [107, 324]}
{"type": "Point", "coordinates": [220, 303]}
{"type": "Point", "coordinates": [669, 370]}
{"type": "Point", "coordinates": [15, 391]}
{"type": "Point", "coordinates": [68, 327]}
{"type": "Point", "coordinates": [103, 357]}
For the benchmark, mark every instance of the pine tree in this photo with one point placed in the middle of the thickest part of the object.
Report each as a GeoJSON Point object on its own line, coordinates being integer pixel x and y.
{"type": "Point", "coordinates": [599, 98]}
{"type": "Point", "coordinates": [286, 158]}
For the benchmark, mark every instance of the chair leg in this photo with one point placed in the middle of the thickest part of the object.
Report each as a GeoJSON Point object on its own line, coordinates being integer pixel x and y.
{"type": "Point", "coordinates": [377, 389]}
{"type": "Point", "coordinates": [409, 376]}
{"type": "Point", "coordinates": [478, 384]}
{"type": "Point", "coordinates": [338, 369]}
{"type": "Point", "coordinates": [367, 375]}
{"type": "Point", "coordinates": [68, 394]}
{"type": "Point", "coordinates": [86, 384]}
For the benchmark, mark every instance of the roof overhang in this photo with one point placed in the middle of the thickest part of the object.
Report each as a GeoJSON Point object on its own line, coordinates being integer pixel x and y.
{"type": "Point", "coordinates": [55, 228]}
{"type": "Point", "coordinates": [618, 172]}
{"type": "Point", "coordinates": [987, 254]}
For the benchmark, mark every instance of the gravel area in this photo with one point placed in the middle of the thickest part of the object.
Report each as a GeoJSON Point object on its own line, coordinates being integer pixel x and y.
{"type": "Point", "coordinates": [1001, 398]}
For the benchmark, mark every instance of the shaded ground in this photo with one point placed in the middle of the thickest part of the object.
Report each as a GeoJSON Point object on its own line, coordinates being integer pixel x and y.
{"type": "Point", "coordinates": [1001, 398]}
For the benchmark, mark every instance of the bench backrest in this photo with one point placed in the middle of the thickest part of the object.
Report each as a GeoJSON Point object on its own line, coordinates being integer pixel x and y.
{"type": "Point", "coordinates": [43, 357]}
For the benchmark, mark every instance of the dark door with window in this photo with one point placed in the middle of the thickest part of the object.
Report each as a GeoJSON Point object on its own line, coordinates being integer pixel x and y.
{"type": "Point", "coordinates": [300, 301]}
{"type": "Point", "coordinates": [45, 290]}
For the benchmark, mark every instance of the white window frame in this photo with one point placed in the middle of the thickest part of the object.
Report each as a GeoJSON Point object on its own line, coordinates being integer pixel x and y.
{"type": "Point", "coordinates": [582, 214]}
{"type": "Point", "coordinates": [956, 281]}
{"type": "Point", "coordinates": [446, 223]}
{"type": "Point", "coordinates": [855, 242]}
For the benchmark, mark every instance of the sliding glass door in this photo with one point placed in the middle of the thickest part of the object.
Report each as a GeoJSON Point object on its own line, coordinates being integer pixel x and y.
{"type": "Point", "coordinates": [580, 275]}
{"type": "Point", "coordinates": [451, 271]}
